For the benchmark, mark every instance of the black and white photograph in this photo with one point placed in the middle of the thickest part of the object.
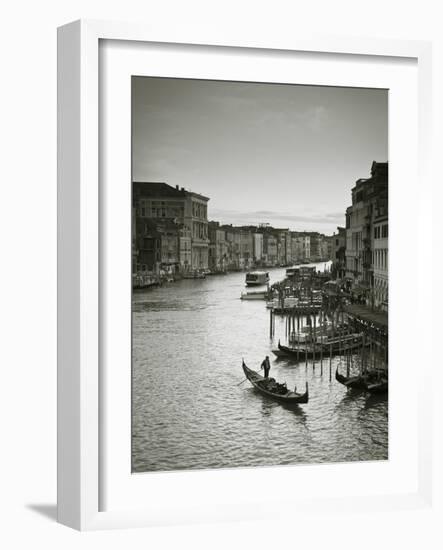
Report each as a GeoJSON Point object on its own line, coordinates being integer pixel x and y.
{"type": "Point", "coordinates": [259, 274]}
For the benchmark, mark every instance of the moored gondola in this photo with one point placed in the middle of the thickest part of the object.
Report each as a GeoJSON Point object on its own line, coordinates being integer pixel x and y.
{"type": "Point", "coordinates": [274, 390]}
{"type": "Point", "coordinates": [378, 386]}
{"type": "Point", "coordinates": [371, 382]}
{"type": "Point", "coordinates": [351, 382]}
{"type": "Point", "coordinates": [279, 353]}
{"type": "Point", "coordinates": [318, 350]}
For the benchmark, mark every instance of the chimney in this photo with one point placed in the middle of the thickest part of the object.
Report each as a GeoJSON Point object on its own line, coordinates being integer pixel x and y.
{"type": "Point", "coordinates": [183, 188]}
{"type": "Point", "coordinates": [176, 187]}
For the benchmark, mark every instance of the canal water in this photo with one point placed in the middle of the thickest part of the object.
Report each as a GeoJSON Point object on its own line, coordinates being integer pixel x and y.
{"type": "Point", "coordinates": [189, 411]}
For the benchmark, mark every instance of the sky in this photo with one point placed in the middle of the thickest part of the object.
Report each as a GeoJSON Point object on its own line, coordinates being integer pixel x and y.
{"type": "Point", "coordinates": [281, 154]}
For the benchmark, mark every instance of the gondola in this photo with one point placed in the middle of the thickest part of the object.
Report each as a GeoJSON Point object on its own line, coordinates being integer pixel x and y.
{"type": "Point", "coordinates": [263, 385]}
{"type": "Point", "coordinates": [370, 382]}
{"type": "Point", "coordinates": [351, 382]}
{"type": "Point", "coordinates": [279, 353]}
{"type": "Point", "coordinates": [311, 352]}
{"type": "Point", "coordinates": [380, 386]}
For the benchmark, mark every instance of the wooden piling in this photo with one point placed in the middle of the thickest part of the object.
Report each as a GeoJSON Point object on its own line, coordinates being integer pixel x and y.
{"type": "Point", "coordinates": [363, 366]}
{"type": "Point", "coordinates": [314, 339]}
{"type": "Point", "coordinates": [322, 329]}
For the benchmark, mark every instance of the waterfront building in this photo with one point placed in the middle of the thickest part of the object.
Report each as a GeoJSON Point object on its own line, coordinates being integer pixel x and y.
{"type": "Point", "coordinates": [185, 248]}
{"type": "Point", "coordinates": [300, 246]}
{"type": "Point", "coordinates": [323, 247]}
{"type": "Point", "coordinates": [368, 195]}
{"type": "Point", "coordinates": [148, 246]}
{"type": "Point", "coordinates": [306, 243]}
{"type": "Point", "coordinates": [270, 249]}
{"type": "Point", "coordinates": [196, 219]}
{"type": "Point", "coordinates": [316, 246]}
{"type": "Point", "coordinates": [258, 247]}
{"type": "Point", "coordinates": [134, 250]}
{"type": "Point", "coordinates": [295, 248]}
{"type": "Point", "coordinates": [328, 247]}
{"type": "Point", "coordinates": [247, 248]}
{"type": "Point", "coordinates": [159, 202]}
{"type": "Point", "coordinates": [339, 253]}
{"type": "Point", "coordinates": [218, 248]}
{"type": "Point", "coordinates": [232, 247]}
{"type": "Point", "coordinates": [283, 246]}
{"type": "Point", "coordinates": [169, 246]}
{"type": "Point", "coordinates": [380, 257]}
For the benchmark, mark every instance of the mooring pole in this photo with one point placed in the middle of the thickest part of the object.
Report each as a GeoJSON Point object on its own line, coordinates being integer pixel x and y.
{"type": "Point", "coordinates": [322, 329]}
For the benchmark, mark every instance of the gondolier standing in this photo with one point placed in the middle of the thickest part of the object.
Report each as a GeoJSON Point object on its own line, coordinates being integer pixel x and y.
{"type": "Point", "coordinates": [266, 365]}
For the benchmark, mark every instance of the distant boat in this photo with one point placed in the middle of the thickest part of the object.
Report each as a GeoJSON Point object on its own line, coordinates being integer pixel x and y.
{"type": "Point", "coordinates": [196, 274]}
{"type": "Point", "coordinates": [257, 278]}
{"type": "Point", "coordinates": [271, 388]}
{"type": "Point", "coordinates": [256, 295]}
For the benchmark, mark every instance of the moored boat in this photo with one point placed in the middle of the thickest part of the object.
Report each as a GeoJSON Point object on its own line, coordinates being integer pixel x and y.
{"type": "Point", "coordinates": [380, 386]}
{"type": "Point", "coordinates": [256, 295]}
{"type": "Point", "coordinates": [274, 390]}
{"type": "Point", "coordinates": [257, 278]}
{"type": "Point", "coordinates": [336, 346]}
{"type": "Point", "coordinates": [351, 382]}
{"type": "Point", "coordinates": [197, 274]}
{"type": "Point", "coordinates": [292, 271]}
{"type": "Point", "coordinates": [371, 381]}
{"type": "Point", "coordinates": [279, 353]}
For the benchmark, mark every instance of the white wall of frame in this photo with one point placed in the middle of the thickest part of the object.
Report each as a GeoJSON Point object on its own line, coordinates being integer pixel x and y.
{"type": "Point", "coordinates": [28, 282]}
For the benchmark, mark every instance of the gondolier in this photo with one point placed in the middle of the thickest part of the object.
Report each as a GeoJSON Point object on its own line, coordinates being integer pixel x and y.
{"type": "Point", "coordinates": [271, 388]}
{"type": "Point", "coordinates": [266, 365]}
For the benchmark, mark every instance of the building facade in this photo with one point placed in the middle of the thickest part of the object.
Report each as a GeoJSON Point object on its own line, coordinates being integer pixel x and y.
{"type": "Point", "coordinates": [218, 248]}
{"type": "Point", "coordinates": [196, 219]}
{"type": "Point", "coordinates": [380, 259]}
{"type": "Point", "coordinates": [369, 197]}
{"type": "Point", "coordinates": [179, 220]}
{"type": "Point", "coordinates": [339, 253]}
{"type": "Point", "coordinates": [258, 247]}
{"type": "Point", "coordinates": [300, 246]}
{"type": "Point", "coordinates": [270, 249]}
{"type": "Point", "coordinates": [171, 235]}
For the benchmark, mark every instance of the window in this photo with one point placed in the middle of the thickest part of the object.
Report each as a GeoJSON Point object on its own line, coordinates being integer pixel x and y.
{"type": "Point", "coordinates": [384, 231]}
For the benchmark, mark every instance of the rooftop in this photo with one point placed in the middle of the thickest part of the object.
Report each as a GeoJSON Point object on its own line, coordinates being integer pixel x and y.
{"type": "Point", "coordinates": [157, 189]}
{"type": "Point", "coordinates": [162, 189]}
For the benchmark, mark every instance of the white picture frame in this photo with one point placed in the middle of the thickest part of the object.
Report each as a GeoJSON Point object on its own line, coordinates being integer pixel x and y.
{"type": "Point", "coordinates": [80, 367]}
